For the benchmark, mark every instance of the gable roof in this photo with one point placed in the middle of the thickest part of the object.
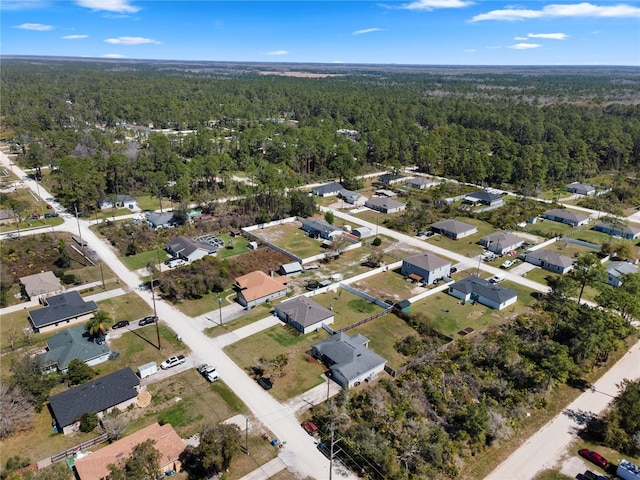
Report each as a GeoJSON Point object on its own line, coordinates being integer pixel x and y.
{"type": "Point", "coordinates": [304, 311]}
{"type": "Point", "coordinates": [566, 215]}
{"type": "Point", "coordinates": [74, 342]}
{"type": "Point", "coordinates": [186, 246]}
{"type": "Point", "coordinates": [627, 229]}
{"type": "Point", "coordinates": [40, 283]}
{"type": "Point", "coordinates": [427, 261]}
{"type": "Point", "coordinates": [158, 219]}
{"type": "Point", "coordinates": [95, 396]}
{"type": "Point", "coordinates": [581, 188]}
{"type": "Point", "coordinates": [491, 291]}
{"type": "Point", "coordinates": [118, 198]}
{"type": "Point", "coordinates": [61, 307]}
{"type": "Point", "coordinates": [349, 354]}
{"type": "Point", "coordinates": [453, 226]}
{"type": "Point", "coordinates": [258, 284]}
{"type": "Point", "coordinates": [331, 187]}
{"type": "Point", "coordinates": [502, 240]}
{"type": "Point", "coordinates": [420, 181]}
{"type": "Point", "coordinates": [390, 177]}
{"type": "Point", "coordinates": [318, 225]}
{"type": "Point", "coordinates": [483, 196]}
{"type": "Point", "coordinates": [384, 202]}
{"type": "Point", "coordinates": [167, 442]}
{"type": "Point", "coordinates": [617, 269]}
{"type": "Point", "coordinates": [293, 267]}
{"type": "Point", "coordinates": [551, 258]}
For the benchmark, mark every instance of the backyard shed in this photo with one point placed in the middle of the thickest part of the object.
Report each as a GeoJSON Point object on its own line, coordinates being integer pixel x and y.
{"type": "Point", "coordinates": [403, 306]}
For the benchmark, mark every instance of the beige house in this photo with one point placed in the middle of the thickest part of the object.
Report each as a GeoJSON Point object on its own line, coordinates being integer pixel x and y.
{"type": "Point", "coordinates": [41, 284]}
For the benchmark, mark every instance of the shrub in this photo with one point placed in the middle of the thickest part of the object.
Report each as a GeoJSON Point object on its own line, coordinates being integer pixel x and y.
{"type": "Point", "coordinates": [376, 242]}
{"type": "Point", "coordinates": [88, 422]}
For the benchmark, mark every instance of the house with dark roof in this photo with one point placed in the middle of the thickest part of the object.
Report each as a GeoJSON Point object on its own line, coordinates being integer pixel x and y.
{"type": "Point", "coordinates": [501, 242]}
{"type": "Point", "coordinates": [482, 197]}
{"type": "Point", "coordinates": [304, 314]}
{"type": "Point", "coordinates": [618, 230]}
{"type": "Point", "coordinates": [69, 344]}
{"type": "Point", "coordinates": [257, 287]}
{"type": "Point", "coordinates": [615, 271]}
{"type": "Point", "coordinates": [161, 220]}
{"type": "Point", "coordinates": [552, 261]}
{"type": "Point", "coordinates": [116, 390]}
{"type": "Point", "coordinates": [391, 178]}
{"type": "Point", "coordinates": [565, 216]}
{"type": "Point", "coordinates": [166, 441]}
{"type": "Point", "coordinates": [352, 198]}
{"type": "Point", "coordinates": [327, 190]}
{"type": "Point", "coordinates": [117, 201]}
{"type": "Point", "coordinates": [425, 267]}
{"type": "Point", "coordinates": [43, 284]}
{"type": "Point", "coordinates": [61, 310]}
{"type": "Point", "coordinates": [349, 360]}
{"type": "Point", "coordinates": [476, 289]}
{"type": "Point", "coordinates": [190, 250]}
{"type": "Point", "coordinates": [7, 216]}
{"type": "Point", "coordinates": [320, 228]}
{"type": "Point", "coordinates": [581, 188]}
{"type": "Point", "coordinates": [453, 229]}
{"type": "Point", "coordinates": [385, 205]}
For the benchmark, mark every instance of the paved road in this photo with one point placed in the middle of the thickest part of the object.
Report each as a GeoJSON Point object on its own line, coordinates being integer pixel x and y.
{"type": "Point", "coordinates": [546, 447]}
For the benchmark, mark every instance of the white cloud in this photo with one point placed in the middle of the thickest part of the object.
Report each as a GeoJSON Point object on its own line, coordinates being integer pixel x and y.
{"type": "Point", "coordinates": [131, 41]}
{"type": "Point", "coordinates": [584, 9]}
{"type": "Point", "coordinates": [112, 55]}
{"type": "Point", "coordinates": [74, 37]}
{"type": "Point", "coordinates": [38, 27]}
{"type": "Point", "coordinates": [23, 4]}
{"type": "Point", "coordinates": [524, 46]}
{"type": "Point", "coordinates": [120, 6]}
{"type": "Point", "coordinates": [278, 52]}
{"type": "Point", "coordinates": [469, 50]}
{"type": "Point", "coordinates": [433, 4]}
{"type": "Point", "coordinates": [548, 36]}
{"type": "Point", "coordinates": [519, 38]}
{"type": "Point", "coordinates": [367, 30]}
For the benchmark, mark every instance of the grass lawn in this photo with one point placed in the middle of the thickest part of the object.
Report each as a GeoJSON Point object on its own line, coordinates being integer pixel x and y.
{"type": "Point", "coordinates": [348, 308]}
{"type": "Point", "coordinates": [384, 333]}
{"type": "Point", "coordinates": [126, 307]}
{"type": "Point", "coordinates": [570, 250]}
{"type": "Point", "coordinates": [207, 303]}
{"type": "Point", "coordinates": [257, 313]}
{"type": "Point", "coordinates": [468, 245]}
{"type": "Point", "coordinates": [141, 260]}
{"type": "Point", "coordinates": [148, 202]}
{"type": "Point", "coordinates": [302, 371]}
{"type": "Point", "coordinates": [547, 228]}
{"type": "Point", "coordinates": [551, 475]}
{"type": "Point", "coordinates": [390, 284]}
{"type": "Point", "coordinates": [240, 245]}
{"type": "Point", "coordinates": [31, 224]}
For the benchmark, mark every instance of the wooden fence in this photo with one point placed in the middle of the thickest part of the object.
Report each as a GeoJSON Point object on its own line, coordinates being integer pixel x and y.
{"type": "Point", "coordinates": [78, 448]}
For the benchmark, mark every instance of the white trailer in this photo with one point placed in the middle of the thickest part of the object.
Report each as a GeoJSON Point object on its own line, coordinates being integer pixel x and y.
{"type": "Point", "coordinates": [148, 369]}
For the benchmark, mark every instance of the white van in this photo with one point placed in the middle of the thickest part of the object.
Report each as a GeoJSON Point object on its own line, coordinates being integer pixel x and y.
{"type": "Point", "coordinates": [175, 262]}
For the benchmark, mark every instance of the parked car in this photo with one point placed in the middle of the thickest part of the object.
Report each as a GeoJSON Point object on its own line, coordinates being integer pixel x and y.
{"type": "Point", "coordinates": [507, 263]}
{"type": "Point", "coordinates": [49, 207]}
{"type": "Point", "coordinates": [310, 428]}
{"type": "Point", "coordinates": [51, 215]}
{"type": "Point", "coordinates": [209, 372]}
{"type": "Point", "coordinates": [325, 448]}
{"type": "Point", "coordinates": [147, 321]}
{"type": "Point", "coordinates": [453, 270]}
{"type": "Point", "coordinates": [594, 457]}
{"type": "Point", "coordinates": [430, 233]}
{"type": "Point", "coordinates": [175, 262]}
{"type": "Point", "coordinates": [497, 279]}
{"type": "Point", "coordinates": [173, 362]}
{"type": "Point", "coordinates": [265, 383]}
{"type": "Point", "coordinates": [33, 216]}
{"type": "Point", "coordinates": [120, 324]}
{"type": "Point", "coordinates": [488, 256]}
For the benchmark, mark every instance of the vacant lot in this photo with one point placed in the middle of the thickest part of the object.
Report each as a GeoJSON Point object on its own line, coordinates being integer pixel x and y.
{"type": "Point", "coordinates": [290, 237]}
{"type": "Point", "coordinates": [348, 308]}
{"type": "Point", "coordinates": [384, 333]}
{"type": "Point", "coordinates": [389, 285]}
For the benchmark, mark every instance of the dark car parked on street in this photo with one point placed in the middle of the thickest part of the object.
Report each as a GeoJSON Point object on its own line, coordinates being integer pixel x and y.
{"type": "Point", "coordinates": [120, 324]}
{"type": "Point", "coordinates": [147, 321]}
{"type": "Point", "coordinates": [265, 383]}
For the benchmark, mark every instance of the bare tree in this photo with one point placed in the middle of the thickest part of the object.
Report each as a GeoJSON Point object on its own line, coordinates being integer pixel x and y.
{"type": "Point", "coordinates": [114, 425]}
{"type": "Point", "coordinates": [17, 410]}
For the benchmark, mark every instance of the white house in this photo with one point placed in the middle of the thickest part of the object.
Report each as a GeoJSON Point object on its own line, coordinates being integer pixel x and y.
{"type": "Point", "coordinates": [501, 242]}
{"type": "Point", "coordinates": [304, 314]}
{"type": "Point", "coordinates": [552, 261]}
{"type": "Point", "coordinates": [474, 288]}
{"type": "Point", "coordinates": [453, 229]}
{"type": "Point", "coordinates": [425, 267]}
{"type": "Point", "coordinates": [565, 216]}
{"type": "Point", "coordinates": [615, 271]}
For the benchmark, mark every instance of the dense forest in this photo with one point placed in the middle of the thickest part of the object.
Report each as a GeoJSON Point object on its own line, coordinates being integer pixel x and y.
{"type": "Point", "coordinates": [527, 129]}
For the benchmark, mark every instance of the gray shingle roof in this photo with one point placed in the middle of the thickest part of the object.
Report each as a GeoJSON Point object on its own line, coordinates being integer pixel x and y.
{"type": "Point", "coordinates": [61, 307]}
{"type": "Point", "coordinates": [565, 214]}
{"type": "Point", "coordinates": [71, 343]}
{"type": "Point", "coordinates": [501, 240]}
{"type": "Point", "coordinates": [349, 355]}
{"type": "Point", "coordinates": [427, 261]}
{"type": "Point", "coordinates": [491, 291]}
{"type": "Point", "coordinates": [453, 226]}
{"type": "Point", "coordinates": [483, 196]}
{"type": "Point", "coordinates": [95, 396]}
{"type": "Point", "coordinates": [617, 269]}
{"type": "Point", "coordinates": [305, 311]}
{"type": "Point", "coordinates": [186, 246]}
{"type": "Point", "coordinates": [551, 258]}
{"type": "Point", "coordinates": [318, 226]}
{"type": "Point", "coordinates": [331, 187]}
{"type": "Point", "coordinates": [617, 228]}
{"type": "Point", "coordinates": [158, 219]}
{"type": "Point", "coordinates": [383, 202]}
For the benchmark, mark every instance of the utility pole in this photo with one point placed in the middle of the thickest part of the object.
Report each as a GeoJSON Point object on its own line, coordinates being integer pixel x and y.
{"type": "Point", "coordinates": [246, 436]}
{"type": "Point", "coordinates": [102, 276]}
{"type": "Point", "coordinates": [220, 308]}
{"type": "Point", "coordinates": [331, 453]}
{"type": "Point", "coordinates": [155, 312]}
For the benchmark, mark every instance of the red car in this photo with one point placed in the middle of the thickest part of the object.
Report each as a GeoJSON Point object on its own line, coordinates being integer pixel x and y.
{"type": "Point", "coordinates": [310, 428]}
{"type": "Point", "coordinates": [594, 457]}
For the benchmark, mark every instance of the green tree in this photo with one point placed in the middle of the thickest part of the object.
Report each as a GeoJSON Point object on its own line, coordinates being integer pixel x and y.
{"type": "Point", "coordinates": [587, 271]}
{"type": "Point", "coordinates": [99, 324]}
{"type": "Point", "coordinates": [143, 463]}
{"type": "Point", "coordinates": [89, 421]}
{"type": "Point", "coordinates": [27, 374]}
{"type": "Point", "coordinates": [302, 204]}
{"type": "Point", "coordinates": [79, 372]}
{"type": "Point", "coordinates": [219, 444]}
{"type": "Point", "coordinates": [329, 217]}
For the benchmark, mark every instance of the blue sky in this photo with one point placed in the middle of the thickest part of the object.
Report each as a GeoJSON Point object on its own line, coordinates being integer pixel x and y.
{"type": "Point", "coordinates": [428, 32]}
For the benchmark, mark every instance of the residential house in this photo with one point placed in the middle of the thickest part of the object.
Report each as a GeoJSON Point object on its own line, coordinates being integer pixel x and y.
{"type": "Point", "coordinates": [257, 287]}
{"type": "Point", "coordinates": [581, 188]}
{"type": "Point", "coordinates": [615, 271]}
{"type": "Point", "coordinates": [320, 228]}
{"type": "Point", "coordinates": [420, 183]}
{"type": "Point", "coordinates": [161, 220]}
{"type": "Point", "coordinates": [476, 289]}
{"type": "Point", "coordinates": [362, 232]}
{"type": "Point", "coordinates": [386, 193]}
{"type": "Point", "coordinates": [304, 314]}
{"type": "Point", "coordinates": [66, 309]}
{"type": "Point", "coordinates": [330, 189]}
{"type": "Point", "coordinates": [290, 268]}
{"type": "Point", "coordinates": [8, 216]}
{"type": "Point", "coordinates": [425, 267]}
{"type": "Point", "coordinates": [501, 242]}
{"type": "Point", "coordinates": [190, 250]}
{"type": "Point", "coordinates": [483, 197]}
{"type": "Point", "coordinates": [453, 229]}
{"type": "Point", "coordinates": [552, 261]}
{"type": "Point", "coordinates": [565, 216]}
{"type": "Point", "coordinates": [43, 284]}
{"type": "Point", "coordinates": [116, 390]}
{"type": "Point", "coordinates": [385, 205]}
{"type": "Point", "coordinates": [618, 230]}
{"type": "Point", "coordinates": [352, 198]}
{"type": "Point", "coordinates": [391, 178]}
{"type": "Point", "coordinates": [349, 360]}
{"type": "Point", "coordinates": [69, 344]}
{"type": "Point", "coordinates": [117, 201]}
{"type": "Point", "coordinates": [166, 441]}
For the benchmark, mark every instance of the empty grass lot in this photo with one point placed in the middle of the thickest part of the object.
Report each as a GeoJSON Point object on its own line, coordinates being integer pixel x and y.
{"type": "Point", "coordinates": [207, 303]}
{"type": "Point", "coordinates": [256, 313]}
{"type": "Point", "coordinates": [141, 260]}
{"type": "Point", "coordinates": [468, 245]}
{"type": "Point", "coordinates": [384, 333]}
{"type": "Point", "coordinates": [347, 307]}
{"type": "Point", "coordinates": [240, 245]}
{"type": "Point", "coordinates": [290, 237]}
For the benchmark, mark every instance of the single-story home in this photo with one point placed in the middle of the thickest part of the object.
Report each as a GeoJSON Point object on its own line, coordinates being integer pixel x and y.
{"type": "Point", "coordinates": [8, 216]}
{"type": "Point", "coordinates": [304, 314]}
{"type": "Point", "coordinates": [453, 229]}
{"type": "Point", "coordinates": [290, 268]}
{"type": "Point", "coordinates": [615, 271]}
{"type": "Point", "coordinates": [427, 266]}
{"type": "Point", "coordinates": [69, 344]}
{"type": "Point", "coordinates": [624, 231]}
{"type": "Point", "coordinates": [160, 220]}
{"type": "Point", "coordinates": [581, 188]}
{"type": "Point", "coordinates": [327, 190]}
{"type": "Point", "coordinates": [482, 197]}
{"type": "Point", "coordinates": [420, 183]}
{"type": "Point", "coordinates": [117, 201]}
{"type": "Point", "coordinates": [320, 228]}
{"type": "Point", "coordinates": [362, 232]}
{"type": "Point", "coordinates": [41, 284]}
{"type": "Point", "coordinates": [501, 242]}
{"type": "Point", "coordinates": [116, 390]}
{"type": "Point", "coordinates": [383, 192]}
{"type": "Point", "coordinates": [190, 250]}
{"type": "Point", "coordinates": [348, 358]}
{"type": "Point", "coordinates": [166, 441]}
{"type": "Point", "coordinates": [391, 178]}
{"type": "Point", "coordinates": [66, 308]}
{"type": "Point", "coordinates": [385, 205]}
{"type": "Point", "coordinates": [353, 198]}
{"type": "Point", "coordinates": [552, 261]}
{"type": "Point", "coordinates": [257, 287]}
{"type": "Point", "coordinates": [474, 288]}
{"type": "Point", "coordinates": [565, 216]}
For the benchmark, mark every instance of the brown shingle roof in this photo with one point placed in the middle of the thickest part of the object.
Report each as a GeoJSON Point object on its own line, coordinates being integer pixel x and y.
{"type": "Point", "coordinates": [258, 284]}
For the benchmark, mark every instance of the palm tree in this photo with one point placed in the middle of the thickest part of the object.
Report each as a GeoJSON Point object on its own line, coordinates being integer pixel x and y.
{"type": "Point", "coordinates": [99, 324]}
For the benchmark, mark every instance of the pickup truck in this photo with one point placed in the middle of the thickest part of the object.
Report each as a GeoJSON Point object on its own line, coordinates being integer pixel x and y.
{"type": "Point", "coordinates": [507, 264]}
{"type": "Point", "coordinates": [209, 372]}
{"type": "Point", "coordinates": [173, 362]}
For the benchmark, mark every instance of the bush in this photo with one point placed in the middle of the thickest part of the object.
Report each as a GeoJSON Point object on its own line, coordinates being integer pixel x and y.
{"type": "Point", "coordinates": [17, 462]}
{"type": "Point", "coordinates": [88, 422]}
{"type": "Point", "coordinates": [68, 279]}
{"type": "Point", "coordinates": [376, 242]}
